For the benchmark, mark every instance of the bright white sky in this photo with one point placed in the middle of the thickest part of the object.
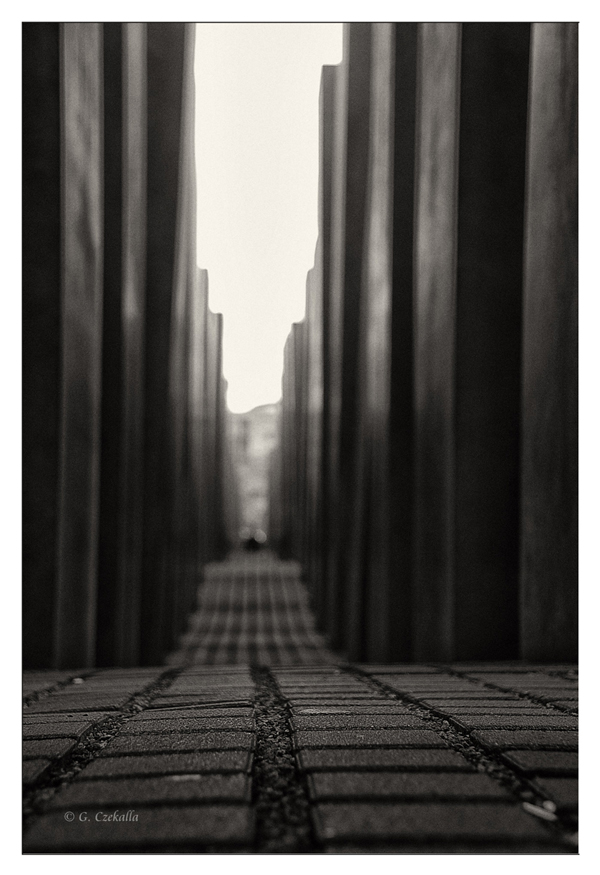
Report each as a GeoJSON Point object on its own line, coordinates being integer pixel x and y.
{"type": "Point", "coordinates": [257, 153]}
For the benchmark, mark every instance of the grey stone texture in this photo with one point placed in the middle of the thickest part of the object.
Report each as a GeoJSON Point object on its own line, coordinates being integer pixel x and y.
{"type": "Point", "coordinates": [376, 785]}
{"type": "Point", "coordinates": [403, 759]}
{"type": "Point", "coordinates": [505, 739]}
{"type": "Point", "coordinates": [548, 577]}
{"type": "Point", "coordinates": [181, 826]}
{"type": "Point", "coordinates": [51, 748]}
{"type": "Point", "coordinates": [197, 762]}
{"type": "Point", "coordinates": [122, 453]}
{"type": "Point", "coordinates": [370, 774]}
{"type": "Point", "coordinates": [359, 738]}
{"type": "Point", "coordinates": [431, 368]}
{"type": "Point", "coordinates": [165, 789]}
{"type": "Point", "coordinates": [34, 769]}
{"type": "Point", "coordinates": [543, 762]}
{"type": "Point", "coordinates": [150, 742]}
{"type": "Point", "coordinates": [193, 724]}
{"type": "Point", "coordinates": [427, 821]}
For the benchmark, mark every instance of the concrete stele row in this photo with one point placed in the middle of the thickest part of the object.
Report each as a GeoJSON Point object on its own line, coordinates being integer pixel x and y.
{"type": "Point", "coordinates": [430, 394]}
{"type": "Point", "coordinates": [123, 395]}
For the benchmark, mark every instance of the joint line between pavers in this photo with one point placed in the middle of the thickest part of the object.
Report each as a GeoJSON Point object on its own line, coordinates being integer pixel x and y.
{"type": "Point", "coordinates": [461, 741]}
{"type": "Point", "coordinates": [522, 694]}
{"type": "Point", "coordinates": [279, 794]}
{"type": "Point", "coordinates": [64, 769]}
{"type": "Point", "coordinates": [38, 695]}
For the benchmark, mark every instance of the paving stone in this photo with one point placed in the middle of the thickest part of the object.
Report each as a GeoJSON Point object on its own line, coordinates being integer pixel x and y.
{"type": "Point", "coordinates": [37, 687]}
{"type": "Point", "coordinates": [214, 677]}
{"type": "Point", "coordinates": [211, 680]}
{"type": "Point", "coordinates": [505, 739]}
{"type": "Point", "coordinates": [549, 692]}
{"type": "Point", "coordinates": [359, 693]}
{"type": "Point", "coordinates": [368, 738]}
{"type": "Point", "coordinates": [194, 700]}
{"type": "Point", "coordinates": [202, 762]}
{"type": "Point", "coordinates": [564, 791]}
{"type": "Point", "coordinates": [510, 668]}
{"type": "Point", "coordinates": [33, 769]}
{"type": "Point", "coordinates": [327, 702]}
{"type": "Point", "coordinates": [479, 846]}
{"type": "Point", "coordinates": [317, 675]}
{"type": "Point", "coordinates": [552, 720]}
{"type": "Point", "coordinates": [372, 785]}
{"type": "Point", "coordinates": [317, 697]}
{"type": "Point", "coordinates": [184, 724]}
{"type": "Point", "coordinates": [402, 759]}
{"type": "Point", "coordinates": [397, 668]}
{"type": "Point", "coordinates": [414, 687]}
{"type": "Point", "coordinates": [132, 673]}
{"type": "Point", "coordinates": [155, 743]}
{"type": "Point", "coordinates": [357, 708]}
{"type": "Point", "coordinates": [422, 759]}
{"type": "Point", "coordinates": [543, 762]}
{"type": "Point", "coordinates": [508, 709]}
{"type": "Point", "coordinates": [416, 682]}
{"type": "Point", "coordinates": [425, 821]}
{"type": "Point", "coordinates": [56, 705]}
{"type": "Point", "coordinates": [227, 671]}
{"type": "Point", "coordinates": [63, 717]}
{"type": "Point", "coordinates": [523, 680]}
{"type": "Point", "coordinates": [240, 706]}
{"type": "Point", "coordinates": [457, 697]}
{"type": "Point", "coordinates": [317, 684]}
{"type": "Point", "coordinates": [336, 722]}
{"type": "Point", "coordinates": [233, 690]}
{"type": "Point", "coordinates": [33, 676]}
{"type": "Point", "coordinates": [143, 791]}
{"type": "Point", "coordinates": [68, 729]}
{"type": "Point", "coordinates": [48, 748]}
{"type": "Point", "coordinates": [181, 825]}
{"type": "Point", "coordinates": [201, 713]}
{"type": "Point", "coordinates": [101, 689]}
{"type": "Point", "coordinates": [137, 678]}
{"type": "Point", "coordinates": [219, 691]}
{"type": "Point", "coordinates": [315, 693]}
{"type": "Point", "coordinates": [467, 667]}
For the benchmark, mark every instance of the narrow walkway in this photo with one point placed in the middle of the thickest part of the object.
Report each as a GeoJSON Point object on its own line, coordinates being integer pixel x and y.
{"type": "Point", "coordinates": [252, 609]}
{"type": "Point", "coordinates": [255, 738]}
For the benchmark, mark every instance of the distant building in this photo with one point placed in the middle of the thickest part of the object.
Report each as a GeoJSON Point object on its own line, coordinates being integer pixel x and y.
{"type": "Point", "coordinates": [254, 435]}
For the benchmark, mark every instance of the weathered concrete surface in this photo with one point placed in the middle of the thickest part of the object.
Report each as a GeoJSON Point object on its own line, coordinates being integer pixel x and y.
{"type": "Point", "coordinates": [468, 365]}
{"type": "Point", "coordinates": [315, 411]}
{"type": "Point", "coordinates": [435, 307]}
{"type": "Point", "coordinates": [181, 499]}
{"type": "Point", "coordinates": [165, 70]}
{"type": "Point", "coordinates": [115, 346]}
{"type": "Point", "coordinates": [119, 559]}
{"type": "Point", "coordinates": [491, 184]}
{"type": "Point", "coordinates": [352, 95]}
{"type": "Point", "coordinates": [460, 489]}
{"type": "Point", "coordinates": [81, 340]}
{"type": "Point", "coordinates": [548, 582]}
{"type": "Point", "coordinates": [41, 340]}
{"type": "Point", "coordinates": [133, 304]}
{"type": "Point", "coordinates": [388, 325]}
{"type": "Point", "coordinates": [111, 410]}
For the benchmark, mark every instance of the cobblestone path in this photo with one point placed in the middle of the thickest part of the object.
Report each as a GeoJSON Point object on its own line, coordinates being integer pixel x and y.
{"type": "Point", "coordinates": [255, 738]}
